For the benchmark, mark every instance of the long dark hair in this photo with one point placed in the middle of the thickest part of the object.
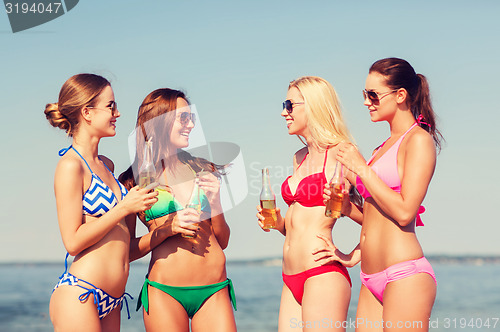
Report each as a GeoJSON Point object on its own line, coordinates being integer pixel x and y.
{"type": "Point", "coordinates": [400, 74]}
{"type": "Point", "coordinates": [157, 103]}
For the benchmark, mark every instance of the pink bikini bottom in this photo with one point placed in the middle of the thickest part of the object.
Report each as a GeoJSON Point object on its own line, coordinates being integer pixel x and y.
{"type": "Point", "coordinates": [377, 282]}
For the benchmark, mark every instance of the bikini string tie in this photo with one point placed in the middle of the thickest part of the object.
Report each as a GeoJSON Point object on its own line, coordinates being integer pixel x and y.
{"type": "Point", "coordinates": [420, 119]}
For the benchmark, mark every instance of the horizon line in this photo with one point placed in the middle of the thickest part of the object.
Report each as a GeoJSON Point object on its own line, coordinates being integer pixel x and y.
{"type": "Point", "coordinates": [274, 260]}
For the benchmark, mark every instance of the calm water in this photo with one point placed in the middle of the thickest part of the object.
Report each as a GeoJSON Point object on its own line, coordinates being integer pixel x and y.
{"type": "Point", "coordinates": [468, 295]}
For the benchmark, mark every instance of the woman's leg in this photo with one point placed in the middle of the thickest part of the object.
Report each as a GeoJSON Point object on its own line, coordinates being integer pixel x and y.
{"type": "Point", "coordinates": [67, 313]}
{"type": "Point", "coordinates": [290, 317]}
{"type": "Point", "coordinates": [325, 302]}
{"type": "Point", "coordinates": [408, 303]}
{"type": "Point", "coordinates": [111, 322]}
{"type": "Point", "coordinates": [369, 312]}
{"type": "Point", "coordinates": [216, 314]}
{"type": "Point", "coordinates": [165, 313]}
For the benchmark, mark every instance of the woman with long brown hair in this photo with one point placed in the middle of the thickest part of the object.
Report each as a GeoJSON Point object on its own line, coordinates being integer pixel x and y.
{"type": "Point", "coordinates": [187, 273]}
{"type": "Point", "coordinates": [398, 283]}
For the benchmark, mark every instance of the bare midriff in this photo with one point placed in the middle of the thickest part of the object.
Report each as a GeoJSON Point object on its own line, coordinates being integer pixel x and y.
{"type": "Point", "coordinates": [384, 242]}
{"type": "Point", "coordinates": [178, 261]}
{"type": "Point", "coordinates": [106, 263]}
{"type": "Point", "coordinates": [303, 224]}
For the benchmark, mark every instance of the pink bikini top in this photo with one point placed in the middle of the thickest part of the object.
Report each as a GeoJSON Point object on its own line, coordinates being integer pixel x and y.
{"type": "Point", "coordinates": [386, 168]}
{"type": "Point", "coordinates": [309, 192]}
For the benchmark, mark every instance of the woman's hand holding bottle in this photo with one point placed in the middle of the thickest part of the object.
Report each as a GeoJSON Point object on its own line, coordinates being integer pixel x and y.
{"type": "Point", "coordinates": [211, 186]}
{"type": "Point", "coordinates": [346, 203]}
{"type": "Point", "coordinates": [261, 218]}
{"type": "Point", "coordinates": [140, 199]}
{"type": "Point", "coordinates": [186, 222]}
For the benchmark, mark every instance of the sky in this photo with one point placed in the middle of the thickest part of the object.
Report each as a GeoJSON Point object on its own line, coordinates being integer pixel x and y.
{"type": "Point", "coordinates": [234, 59]}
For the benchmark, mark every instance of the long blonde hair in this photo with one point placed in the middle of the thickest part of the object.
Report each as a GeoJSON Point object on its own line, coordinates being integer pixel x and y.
{"type": "Point", "coordinates": [323, 111]}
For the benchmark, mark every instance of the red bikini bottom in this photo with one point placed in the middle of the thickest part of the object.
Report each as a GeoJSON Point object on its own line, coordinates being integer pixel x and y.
{"type": "Point", "coordinates": [295, 282]}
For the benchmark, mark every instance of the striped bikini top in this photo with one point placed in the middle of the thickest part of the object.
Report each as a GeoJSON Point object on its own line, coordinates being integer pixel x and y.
{"type": "Point", "coordinates": [99, 198]}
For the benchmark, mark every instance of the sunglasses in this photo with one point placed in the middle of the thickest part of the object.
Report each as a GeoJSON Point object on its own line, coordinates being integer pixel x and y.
{"type": "Point", "coordinates": [112, 107]}
{"type": "Point", "coordinates": [374, 97]}
{"type": "Point", "coordinates": [185, 117]}
{"type": "Point", "coordinates": [288, 105]}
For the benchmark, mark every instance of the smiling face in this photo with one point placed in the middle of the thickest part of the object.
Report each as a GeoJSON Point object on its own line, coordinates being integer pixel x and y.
{"type": "Point", "coordinates": [387, 106]}
{"type": "Point", "coordinates": [103, 116]}
{"type": "Point", "coordinates": [296, 121]}
{"type": "Point", "coordinates": [179, 135]}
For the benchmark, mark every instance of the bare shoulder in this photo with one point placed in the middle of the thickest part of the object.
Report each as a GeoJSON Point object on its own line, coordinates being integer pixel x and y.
{"type": "Point", "coordinates": [69, 174]}
{"type": "Point", "coordinates": [108, 163]}
{"type": "Point", "coordinates": [69, 165]}
{"type": "Point", "coordinates": [299, 156]}
{"type": "Point", "coordinates": [420, 139]}
{"type": "Point", "coordinates": [419, 147]}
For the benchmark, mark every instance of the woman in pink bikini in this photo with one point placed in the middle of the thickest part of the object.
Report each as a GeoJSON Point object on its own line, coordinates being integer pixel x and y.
{"type": "Point", "coordinates": [398, 283]}
{"type": "Point", "coordinates": [314, 296]}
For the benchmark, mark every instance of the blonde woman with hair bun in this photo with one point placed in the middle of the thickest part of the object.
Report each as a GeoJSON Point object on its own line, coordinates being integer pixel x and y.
{"type": "Point", "coordinates": [316, 287]}
{"type": "Point", "coordinates": [91, 209]}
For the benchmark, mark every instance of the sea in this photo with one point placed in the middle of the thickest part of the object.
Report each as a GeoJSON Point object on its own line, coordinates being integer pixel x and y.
{"type": "Point", "coordinates": [468, 297]}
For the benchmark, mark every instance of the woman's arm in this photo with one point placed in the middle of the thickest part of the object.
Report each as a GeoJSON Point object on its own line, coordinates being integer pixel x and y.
{"type": "Point", "coordinates": [329, 253]}
{"type": "Point", "coordinates": [141, 246]}
{"type": "Point", "coordinates": [219, 226]}
{"type": "Point", "coordinates": [353, 211]}
{"type": "Point", "coordinates": [211, 186]}
{"type": "Point", "coordinates": [280, 222]}
{"type": "Point", "coordinates": [76, 234]}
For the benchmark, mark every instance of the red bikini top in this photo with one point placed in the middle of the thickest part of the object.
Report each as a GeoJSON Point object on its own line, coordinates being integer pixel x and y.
{"type": "Point", "coordinates": [310, 189]}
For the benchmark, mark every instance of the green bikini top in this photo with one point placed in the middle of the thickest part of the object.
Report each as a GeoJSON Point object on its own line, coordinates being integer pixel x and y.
{"type": "Point", "coordinates": [167, 204]}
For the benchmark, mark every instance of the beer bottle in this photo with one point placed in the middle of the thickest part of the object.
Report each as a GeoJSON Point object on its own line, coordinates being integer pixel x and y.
{"type": "Point", "coordinates": [334, 205]}
{"type": "Point", "coordinates": [268, 201]}
{"type": "Point", "coordinates": [147, 171]}
{"type": "Point", "coordinates": [194, 201]}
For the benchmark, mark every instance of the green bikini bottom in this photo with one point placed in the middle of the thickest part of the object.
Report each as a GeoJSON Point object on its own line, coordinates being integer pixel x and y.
{"type": "Point", "coordinates": [190, 297]}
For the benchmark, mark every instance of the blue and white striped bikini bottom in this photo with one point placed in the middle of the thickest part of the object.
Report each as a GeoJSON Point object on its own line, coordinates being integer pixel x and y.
{"type": "Point", "coordinates": [105, 302]}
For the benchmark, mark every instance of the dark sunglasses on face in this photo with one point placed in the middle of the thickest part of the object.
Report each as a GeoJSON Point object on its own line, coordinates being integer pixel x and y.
{"type": "Point", "coordinates": [185, 117]}
{"type": "Point", "coordinates": [288, 105]}
{"type": "Point", "coordinates": [375, 97]}
{"type": "Point", "coordinates": [112, 107]}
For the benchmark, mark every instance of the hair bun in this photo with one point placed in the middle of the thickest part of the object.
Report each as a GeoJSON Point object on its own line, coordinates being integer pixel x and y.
{"type": "Point", "coordinates": [56, 118]}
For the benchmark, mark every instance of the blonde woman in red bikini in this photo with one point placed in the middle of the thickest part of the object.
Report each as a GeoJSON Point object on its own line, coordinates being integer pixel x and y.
{"type": "Point", "coordinates": [315, 294]}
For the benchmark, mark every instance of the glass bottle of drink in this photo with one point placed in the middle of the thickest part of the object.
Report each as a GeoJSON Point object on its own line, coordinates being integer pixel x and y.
{"type": "Point", "coordinates": [268, 201]}
{"type": "Point", "coordinates": [147, 171]}
{"type": "Point", "coordinates": [194, 201]}
{"type": "Point", "coordinates": [334, 204]}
